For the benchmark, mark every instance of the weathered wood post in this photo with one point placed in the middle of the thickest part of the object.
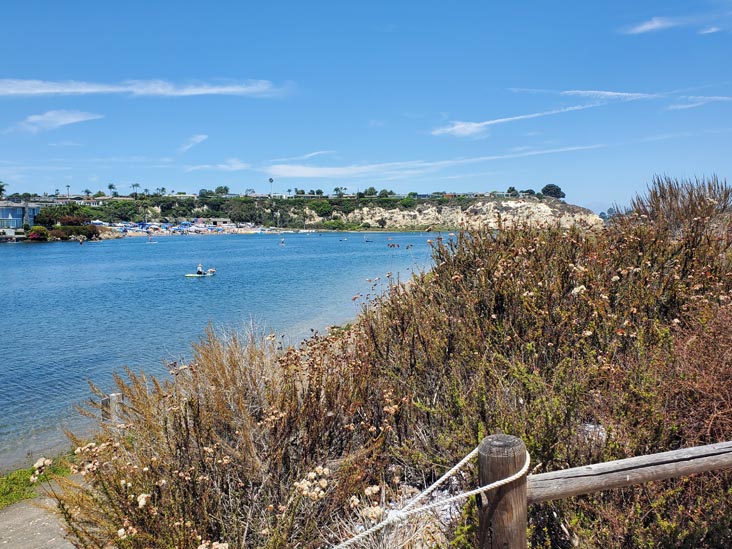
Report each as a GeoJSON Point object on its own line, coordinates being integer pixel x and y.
{"type": "Point", "coordinates": [111, 407]}
{"type": "Point", "coordinates": [502, 512]}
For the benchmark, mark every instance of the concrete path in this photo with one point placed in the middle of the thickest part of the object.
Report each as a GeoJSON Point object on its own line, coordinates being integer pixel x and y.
{"type": "Point", "coordinates": [26, 525]}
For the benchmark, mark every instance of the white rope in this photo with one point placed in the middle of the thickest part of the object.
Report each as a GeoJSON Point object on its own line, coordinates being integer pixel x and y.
{"type": "Point", "coordinates": [399, 515]}
{"type": "Point", "coordinates": [439, 481]}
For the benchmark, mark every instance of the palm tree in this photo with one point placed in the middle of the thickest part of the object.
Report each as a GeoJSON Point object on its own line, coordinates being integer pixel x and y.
{"type": "Point", "coordinates": [135, 186]}
{"type": "Point", "coordinates": [162, 190]}
{"type": "Point", "coordinates": [2, 189]}
{"type": "Point", "coordinates": [112, 187]}
{"type": "Point", "coordinates": [87, 192]}
{"type": "Point", "coordinates": [67, 190]}
{"type": "Point", "coordinates": [146, 191]}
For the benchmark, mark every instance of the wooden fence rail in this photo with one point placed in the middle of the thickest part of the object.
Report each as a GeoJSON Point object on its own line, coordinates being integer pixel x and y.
{"type": "Point", "coordinates": [503, 513]}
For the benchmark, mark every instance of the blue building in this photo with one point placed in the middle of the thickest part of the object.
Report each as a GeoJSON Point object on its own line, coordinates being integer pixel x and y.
{"type": "Point", "coordinates": [13, 215]}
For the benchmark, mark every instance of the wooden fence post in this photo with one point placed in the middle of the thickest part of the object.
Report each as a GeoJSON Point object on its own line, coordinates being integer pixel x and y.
{"type": "Point", "coordinates": [110, 407]}
{"type": "Point", "coordinates": [502, 512]}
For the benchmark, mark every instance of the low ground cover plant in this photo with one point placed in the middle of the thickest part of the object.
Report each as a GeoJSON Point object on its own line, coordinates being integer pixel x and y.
{"type": "Point", "coordinates": [590, 345]}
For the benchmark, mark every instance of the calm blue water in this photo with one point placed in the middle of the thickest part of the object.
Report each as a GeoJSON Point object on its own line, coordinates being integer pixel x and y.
{"type": "Point", "coordinates": [75, 313]}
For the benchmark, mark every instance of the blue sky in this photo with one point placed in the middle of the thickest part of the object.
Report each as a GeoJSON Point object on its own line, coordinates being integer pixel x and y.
{"type": "Point", "coordinates": [596, 97]}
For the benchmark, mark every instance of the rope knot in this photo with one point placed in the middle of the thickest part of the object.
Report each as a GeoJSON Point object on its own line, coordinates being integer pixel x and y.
{"type": "Point", "coordinates": [396, 515]}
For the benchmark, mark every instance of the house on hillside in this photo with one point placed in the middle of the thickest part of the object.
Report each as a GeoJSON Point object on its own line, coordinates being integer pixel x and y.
{"type": "Point", "coordinates": [13, 215]}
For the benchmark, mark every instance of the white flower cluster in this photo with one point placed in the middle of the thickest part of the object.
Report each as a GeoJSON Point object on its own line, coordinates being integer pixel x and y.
{"type": "Point", "coordinates": [373, 512]}
{"type": "Point", "coordinates": [314, 484]}
{"type": "Point", "coordinates": [213, 545]}
{"type": "Point", "coordinates": [39, 468]}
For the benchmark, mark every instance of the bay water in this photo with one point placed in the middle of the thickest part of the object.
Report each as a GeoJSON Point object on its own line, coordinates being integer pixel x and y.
{"type": "Point", "coordinates": [76, 313]}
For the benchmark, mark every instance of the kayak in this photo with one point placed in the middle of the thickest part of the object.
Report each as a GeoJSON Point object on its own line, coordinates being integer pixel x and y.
{"type": "Point", "coordinates": [194, 275]}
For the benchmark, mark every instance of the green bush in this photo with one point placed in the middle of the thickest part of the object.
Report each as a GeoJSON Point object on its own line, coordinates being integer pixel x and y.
{"type": "Point", "coordinates": [38, 233]}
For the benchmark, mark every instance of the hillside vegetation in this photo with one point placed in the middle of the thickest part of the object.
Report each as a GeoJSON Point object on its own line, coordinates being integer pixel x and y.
{"type": "Point", "coordinates": [333, 213]}
{"type": "Point", "coordinates": [551, 334]}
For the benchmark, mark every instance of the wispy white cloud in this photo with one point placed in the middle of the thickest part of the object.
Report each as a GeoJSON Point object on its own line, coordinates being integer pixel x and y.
{"type": "Point", "coordinates": [147, 88]}
{"type": "Point", "coordinates": [51, 120]}
{"type": "Point", "coordinates": [303, 157]}
{"type": "Point", "coordinates": [611, 95]}
{"type": "Point", "coordinates": [230, 165]}
{"type": "Point", "coordinates": [710, 98]}
{"type": "Point", "coordinates": [699, 100]}
{"type": "Point", "coordinates": [468, 129]}
{"type": "Point", "coordinates": [704, 23]}
{"type": "Point", "coordinates": [131, 159]}
{"type": "Point", "coordinates": [600, 95]}
{"type": "Point", "coordinates": [653, 24]}
{"type": "Point", "coordinates": [65, 144]}
{"type": "Point", "coordinates": [403, 169]}
{"type": "Point", "coordinates": [192, 142]}
{"type": "Point", "coordinates": [665, 136]}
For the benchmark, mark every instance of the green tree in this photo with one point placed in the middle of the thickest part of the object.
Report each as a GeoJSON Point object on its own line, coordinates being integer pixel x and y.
{"type": "Point", "coordinates": [244, 210]}
{"type": "Point", "coordinates": [2, 189]}
{"type": "Point", "coordinates": [87, 192]}
{"type": "Point", "coordinates": [223, 189]}
{"type": "Point", "coordinates": [552, 190]}
{"type": "Point", "coordinates": [321, 207]}
{"type": "Point", "coordinates": [511, 191]}
{"type": "Point", "coordinates": [135, 186]}
{"type": "Point", "coordinates": [370, 191]}
{"type": "Point", "coordinates": [339, 191]}
{"type": "Point", "coordinates": [407, 202]}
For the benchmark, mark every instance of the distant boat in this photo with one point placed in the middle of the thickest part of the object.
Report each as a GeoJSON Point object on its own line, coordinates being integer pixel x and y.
{"type": "Point", "coordinates": [209, 272]}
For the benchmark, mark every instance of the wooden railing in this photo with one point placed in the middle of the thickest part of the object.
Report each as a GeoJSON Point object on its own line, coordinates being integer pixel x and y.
{"type": "Point", "coordinates": [503, 513]}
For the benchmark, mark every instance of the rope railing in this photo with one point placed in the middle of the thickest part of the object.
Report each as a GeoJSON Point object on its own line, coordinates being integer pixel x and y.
{"type": "Point", "coordinates": [399, 515]}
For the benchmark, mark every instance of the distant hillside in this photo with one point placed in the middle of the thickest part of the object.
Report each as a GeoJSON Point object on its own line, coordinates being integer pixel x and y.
{"type": "Point", "coordinates": [483, 212]}
{"type": "Point", "coordinates": [335, 213]}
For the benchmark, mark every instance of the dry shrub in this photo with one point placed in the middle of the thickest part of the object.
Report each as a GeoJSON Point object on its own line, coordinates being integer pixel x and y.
{"type": "Point", "coordinates": [586, 344]}
{"type": "Point", "coordinates": [220, 453]}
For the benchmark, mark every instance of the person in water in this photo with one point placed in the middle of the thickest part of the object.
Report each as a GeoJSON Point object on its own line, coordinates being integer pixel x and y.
{"type": "Point", "coordinates": [199, 269]}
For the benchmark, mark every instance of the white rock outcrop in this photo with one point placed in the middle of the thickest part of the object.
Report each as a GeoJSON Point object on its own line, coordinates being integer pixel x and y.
{"type": "Point", "coordinates": [483, 212]}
